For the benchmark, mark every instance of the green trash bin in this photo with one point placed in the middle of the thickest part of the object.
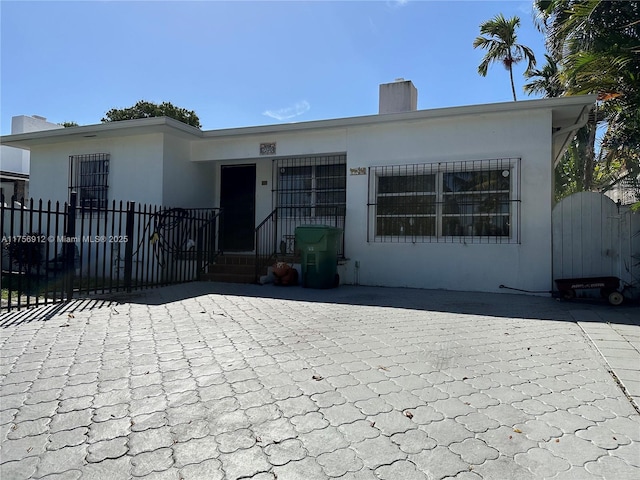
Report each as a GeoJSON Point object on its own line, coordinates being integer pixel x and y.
{"type": "Point", "coordinates": [318, 245]}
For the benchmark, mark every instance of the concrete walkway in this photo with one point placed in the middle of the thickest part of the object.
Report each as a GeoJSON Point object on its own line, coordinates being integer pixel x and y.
{"type": "Point", "coordinates": [216, 381]}
{"type": "Point", "coordinates": [616, 335]}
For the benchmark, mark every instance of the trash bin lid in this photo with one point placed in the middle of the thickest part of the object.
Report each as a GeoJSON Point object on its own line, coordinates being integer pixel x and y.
{"type": "Point", "coordinates": [316, 225]}
{"type": "Point", "coordinates": [310, 234]}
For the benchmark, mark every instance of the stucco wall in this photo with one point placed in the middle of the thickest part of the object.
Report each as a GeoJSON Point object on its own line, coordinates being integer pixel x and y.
{"type": "Point", "coordinates": [287, 144]}
{"type": "Point", "coordinates": [14, 159]}
{"type": "Point", "coordinates": [153, 169]}
{"type": "Point", "coordinates": [245, 151]}
{"type": "Point", "coordinates": [135, 168]}
{"type": "Point", "coordinates": [455, 266]}
{"type": "Point", "coordinates": [185, 183]}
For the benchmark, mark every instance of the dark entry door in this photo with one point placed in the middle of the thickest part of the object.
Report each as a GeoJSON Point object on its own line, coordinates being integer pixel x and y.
{"type": "Point", "coordinates": [238, 201]}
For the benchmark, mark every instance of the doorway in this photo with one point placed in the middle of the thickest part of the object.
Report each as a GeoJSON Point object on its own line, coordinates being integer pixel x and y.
{"type": "Point", "coordinates": [238, 201]}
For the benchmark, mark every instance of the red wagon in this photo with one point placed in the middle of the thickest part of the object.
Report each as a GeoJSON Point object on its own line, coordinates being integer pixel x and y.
{"type": "Point", "coordinates": [608, 287]}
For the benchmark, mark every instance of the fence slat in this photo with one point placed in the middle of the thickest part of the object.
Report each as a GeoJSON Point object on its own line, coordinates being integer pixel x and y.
{"type": "Point", "coordinates": [128, 255]}
{"type": "Point", "coordinates": [70, 245]}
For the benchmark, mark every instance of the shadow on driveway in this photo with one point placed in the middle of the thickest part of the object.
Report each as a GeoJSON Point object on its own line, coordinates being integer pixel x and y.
{"type": "Point", "coordinates": [465, 303]}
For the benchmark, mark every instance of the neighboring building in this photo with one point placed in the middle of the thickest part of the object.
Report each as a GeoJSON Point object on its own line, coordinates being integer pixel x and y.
{"type": "Point", "coordinates": [14, 162]}
{"type": "Point", "coordinates": [455, 198]}
{"type": "Point", "coordinates": [626, 191]}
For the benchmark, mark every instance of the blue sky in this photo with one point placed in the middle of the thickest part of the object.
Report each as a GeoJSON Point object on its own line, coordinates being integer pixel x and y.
{"type": "Point", "coordinates": [247, 63]}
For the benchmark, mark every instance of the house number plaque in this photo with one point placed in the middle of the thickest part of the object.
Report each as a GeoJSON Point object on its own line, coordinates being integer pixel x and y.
{"type": "Point", "coordinates": [358, 171]}
{"type": "Point", "coordinates": [267, 148]}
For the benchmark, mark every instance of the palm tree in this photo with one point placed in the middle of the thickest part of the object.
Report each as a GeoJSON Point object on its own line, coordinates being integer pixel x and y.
{"type": "Point", "coordinates": [597, 44]}
{"type": "Point", "coordinates": [501, 46]}
{"type": "Point", "coordinates": [545, 80]}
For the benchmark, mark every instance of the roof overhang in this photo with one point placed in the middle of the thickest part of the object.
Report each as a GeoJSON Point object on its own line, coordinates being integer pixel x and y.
{"type": "Point", "coordinates": [568, 115]}
{"type": "Point", "coordinates": [566, 122]}
{"type": "Point", "coordinates": [11, 176]}
{"type": "Point", "coordinates": [141, 126]}
{"type": "Point", "coordinates": [566, 110]}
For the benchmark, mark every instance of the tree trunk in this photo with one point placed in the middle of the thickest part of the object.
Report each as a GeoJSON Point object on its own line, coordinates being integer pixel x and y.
{"type": "Point", "coordinates": [590, 156]}
{"type": "Point", "coordinates": [513, 88]}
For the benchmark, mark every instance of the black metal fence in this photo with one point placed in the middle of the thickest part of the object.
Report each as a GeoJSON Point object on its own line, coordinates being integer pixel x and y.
{"type": "Point", "coordinates": [266, 242]}
{"type": "Point", "coordinates": [53, 252]}
{"type": "Point", "coordinates": [307, 190]}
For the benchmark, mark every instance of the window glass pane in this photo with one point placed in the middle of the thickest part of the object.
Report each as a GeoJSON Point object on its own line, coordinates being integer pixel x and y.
{"type": "Point", "coordinates": [448, 203]}
{"type": "Point", "coordinates": [298, 203]}
{"type": "Point", "coordinates": [475, 203]}
{"type": "Point", "coordinates": [475, 181]}
{"type": "Point", "coordinates": [91, 179]}
{"type": "Point", "coordinates": [478, 226]}
{"type": "Point", "coordinates": [331, 194]}
{"type": "Point", "coordinates": [331, 197]}
{"type": "Point", "coordinates": [406, 226]}
{"type": "Point", "coordinates": [406, 183]}
{"type": "Point", "coordinates": [331, 176]}
{"type": "Point", "coordinates": [295, 190]}
{"type": "Point", "coordinates": [295, 178]}
{"type": "Point", "coordinates": [330, 211]}
{"type": "Point", "coordinates": [407, 205]}
{"type": "Point", "coordinates": [312, 189]}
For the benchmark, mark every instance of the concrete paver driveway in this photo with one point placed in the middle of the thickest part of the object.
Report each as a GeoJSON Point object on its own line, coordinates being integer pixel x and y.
{"type": "Point", "coordinates": [213, 381]}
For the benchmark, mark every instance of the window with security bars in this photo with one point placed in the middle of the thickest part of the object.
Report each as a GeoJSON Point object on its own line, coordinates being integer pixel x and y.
{"type": "Point", "coordinates": [313, 186]}
{"type": "Point", "coordinates": [459, 201]}
{"type": "Point", "coordinates": [88, 177]}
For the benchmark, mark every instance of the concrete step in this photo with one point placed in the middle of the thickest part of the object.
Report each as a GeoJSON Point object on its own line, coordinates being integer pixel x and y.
{"type": "Point", "coordinates": [230, 268]}
{"type": "Point", "coordinates": [229, 259]}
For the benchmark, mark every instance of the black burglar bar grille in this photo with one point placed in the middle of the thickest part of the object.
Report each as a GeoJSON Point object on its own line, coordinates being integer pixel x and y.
{"type": "Point", "coordinates": [471, 201]}
{"type": "Point", "coordinates": [89, 175]}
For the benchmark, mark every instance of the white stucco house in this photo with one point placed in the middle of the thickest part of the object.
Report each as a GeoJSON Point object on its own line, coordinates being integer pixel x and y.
{"type": "Point", "coordinates": [454, 198]}
{"type": "Point", "coordinates": [14, 162]}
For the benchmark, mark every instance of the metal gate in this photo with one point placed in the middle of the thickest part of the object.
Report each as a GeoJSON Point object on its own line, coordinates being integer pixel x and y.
{"type": "Point", "coordinates": [594, 237]}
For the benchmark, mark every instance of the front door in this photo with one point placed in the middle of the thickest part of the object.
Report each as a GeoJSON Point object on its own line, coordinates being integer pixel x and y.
{"type": "Point", "coordinates": [238, 202]}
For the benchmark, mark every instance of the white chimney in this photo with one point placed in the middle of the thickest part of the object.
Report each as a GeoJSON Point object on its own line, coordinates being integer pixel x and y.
{"type": "Point", "coordinates": [34, 123]}
{"type": "Point", "coordinates": [398, 96]}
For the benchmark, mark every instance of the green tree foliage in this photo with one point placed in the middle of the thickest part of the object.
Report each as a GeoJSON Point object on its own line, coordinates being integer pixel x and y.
{"type": "Point", "coordinates": [546, 80]}
{"type": "Point", "coordinates": [69, 124]}
{"type": "Point", "coordinates": [144, 109]}
{"type": "Point", "coordinates": [501, 46]}
{"type": "Point", "coordinates": [597, 47]}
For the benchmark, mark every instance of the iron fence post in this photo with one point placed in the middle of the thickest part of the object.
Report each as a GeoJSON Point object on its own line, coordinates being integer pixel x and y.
{"type": "Point", "coordinates": [256, 264]}
{"type": "Point", "coordinates": [275, 232]}
{"type": "Point", "coordinates": [221, 242]}
{"type": "Point", "coordinates": [128, 249]}
{"type": "Point", "coordinates": [70, 245]}
{"type": "Point", "coordinates": [212, 234]}
{"type": "Point", "coordinates": [199, 254]}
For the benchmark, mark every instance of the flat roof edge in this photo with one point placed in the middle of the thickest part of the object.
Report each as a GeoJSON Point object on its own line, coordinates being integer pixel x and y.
{"type": "Point", "coordinates": [84, 130]}
{"type": "Point", "coordinates": [167, 124]}
{"type": "Point", "coordinates": [536, 104]}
